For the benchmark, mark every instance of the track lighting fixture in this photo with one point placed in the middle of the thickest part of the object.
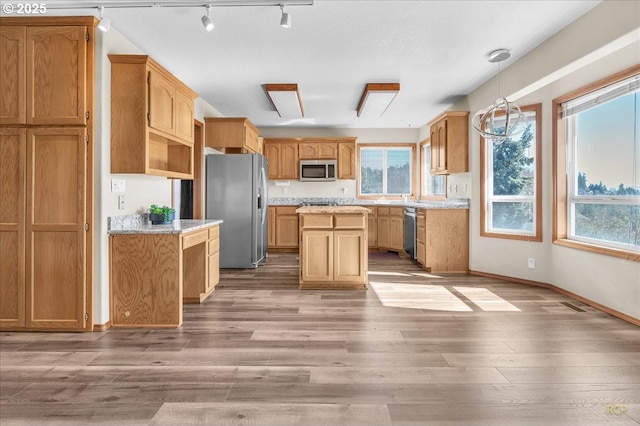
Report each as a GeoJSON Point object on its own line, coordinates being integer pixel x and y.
{"type": "Point", "coordinates": [105, 23]}
{"type": "Point", "coordinates": [206, 20]}
{"type": "Point", "coordinates": [285, 21]}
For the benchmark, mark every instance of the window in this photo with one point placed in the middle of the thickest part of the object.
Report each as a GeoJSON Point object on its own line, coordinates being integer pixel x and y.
{"type": "Point", "coordinates": [510, 192]}
{"type": "Point", "coordinates": [386, 169]}
{"type": "Point", "coordinates": [597, 171]}
{"type": "Point", "coordinates": [430, 186]}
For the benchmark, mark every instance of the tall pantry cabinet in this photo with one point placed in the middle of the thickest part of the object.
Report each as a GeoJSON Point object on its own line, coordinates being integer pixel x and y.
{"type": "Point", "coordinates": [46, 171]}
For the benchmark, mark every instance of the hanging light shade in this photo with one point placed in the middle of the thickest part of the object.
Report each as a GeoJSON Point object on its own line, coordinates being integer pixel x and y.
{"type": "Point", "coordinates": [502, 119]}
{"type": "Point", "coordinates": [499, 121]}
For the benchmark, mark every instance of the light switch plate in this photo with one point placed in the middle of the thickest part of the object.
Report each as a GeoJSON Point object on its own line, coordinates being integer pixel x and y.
{"type": "Point", "coordinates": [117, 185]}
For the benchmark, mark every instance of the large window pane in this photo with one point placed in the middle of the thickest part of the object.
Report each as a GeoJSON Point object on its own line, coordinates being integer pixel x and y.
{"type": "Point", "coordinates": [371, 171]}
{"type": "Point", "coordinates": [386, 170]}
{"type": "Point", "coordinates": [603, 166]}
{"type": "Point", "coordinates": [510, 182]}
{"type": "Point", "coordinates": [512, 216]}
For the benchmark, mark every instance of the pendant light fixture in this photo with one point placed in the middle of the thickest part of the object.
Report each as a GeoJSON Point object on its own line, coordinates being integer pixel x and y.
{"type": "Point", "coordinates": [206, 20]}
{"type": "Point", "coordinates": [105, 23]}
{"type": "Point", "coordinates": [502, 119]}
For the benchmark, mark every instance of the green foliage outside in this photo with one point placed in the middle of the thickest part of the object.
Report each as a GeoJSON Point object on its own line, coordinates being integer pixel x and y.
{"type": "Point", "coordinates": [398, 180]}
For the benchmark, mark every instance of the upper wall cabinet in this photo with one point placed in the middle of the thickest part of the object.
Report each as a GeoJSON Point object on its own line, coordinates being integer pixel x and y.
{"type": "Point", "coordinates": [151, 119]}
{"type": "Point", "coordinates": [323, 150]}
{"type": "Point", "coordinates": [347, 159]}
{"type": "Point", "coordinates": [450, 143]}
{"type": "Point", "coordinates": [231, 135]}
{"type": "Point", "coordinates": [282, 155]}
{"type": "Point", "coordinates": [44, 75]}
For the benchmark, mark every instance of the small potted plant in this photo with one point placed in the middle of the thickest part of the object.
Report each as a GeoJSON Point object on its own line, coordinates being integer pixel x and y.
{"type": "Point", "coordinates": [161, 215]}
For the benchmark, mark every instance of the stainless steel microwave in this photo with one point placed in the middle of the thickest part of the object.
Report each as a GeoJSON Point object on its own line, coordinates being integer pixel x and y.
{"type": "Point", "coordinates": [317, 170]}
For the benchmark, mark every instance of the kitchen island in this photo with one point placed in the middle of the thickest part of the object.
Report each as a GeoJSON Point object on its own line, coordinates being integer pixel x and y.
{"type": "Point", "coordinates": [154, 269]}
{"type": "Point", "coordinates": [333, 247]}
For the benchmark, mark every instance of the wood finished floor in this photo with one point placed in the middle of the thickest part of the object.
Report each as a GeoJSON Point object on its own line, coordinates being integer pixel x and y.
{"type": "Point", "coordinates": [414, 349]}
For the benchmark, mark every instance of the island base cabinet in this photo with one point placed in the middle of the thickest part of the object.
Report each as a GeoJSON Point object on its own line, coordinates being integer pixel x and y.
{"type": "Point", "coordinates": [318, 256]}
{"type": "Point", "coordinates": [146, 280]}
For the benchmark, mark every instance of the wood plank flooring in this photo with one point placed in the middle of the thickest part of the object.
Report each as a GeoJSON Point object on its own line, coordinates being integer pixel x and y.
{"type": "Point", "coordinates": [413, 349]}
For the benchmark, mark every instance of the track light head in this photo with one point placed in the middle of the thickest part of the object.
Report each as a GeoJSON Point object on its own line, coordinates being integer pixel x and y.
{"type": "Point", "coordinates": [105, 23]}
{"type": "Point", "coordinates": [285, 20]}
{"type": "Point", "coordinates": [206, 20]}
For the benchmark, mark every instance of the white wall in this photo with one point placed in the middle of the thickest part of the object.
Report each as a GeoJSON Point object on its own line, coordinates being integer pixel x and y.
{"type": "Point", "coordinates": [140, 190]}
{"type": "Point", "coordinates": [579, 55]}
{"type": "Point", "coordinates": [341, 188]}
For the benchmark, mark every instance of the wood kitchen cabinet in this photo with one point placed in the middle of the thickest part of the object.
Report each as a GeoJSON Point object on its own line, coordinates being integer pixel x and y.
{"type": "Point", "coordinates": [390, 222]}
{"type": "Point", "coordinates": [449, 136]}
{"type": "Point", "coordinates": [282, 157]}
{"type": "Point", "coordinates": [283, 228]}
{"type": "Point", "coordinates": [372, 227]}
{"type": "Point", "coordinates": [443, 239]}
{"type": "Point", "coordinates": [151, 119]}
{"type": "Point", "coordinates": [232, 135]}
{"type": "Point", "coordinates": [333, 247]}
{"type": "Point", "coordinates": [46, 74]}
{"type": "Point", "coordinates": [309, 150]}
{"type": "Point", "coordinates": [46, 173]}
{"type": "Point", "coordinates": [347, 160]}
{"type": "Point", "coordinates": [152, 274]}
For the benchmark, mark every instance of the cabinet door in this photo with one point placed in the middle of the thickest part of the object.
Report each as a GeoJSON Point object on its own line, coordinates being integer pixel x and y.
{"type": "Point", "coordinates": [439, 157]}
{"type": "Point", "coordinates": [421, 253]}
{"type": "Point", "coordinates": [55, 228]}
{"type": "Point", "coordinates": [289, 160]}
{"type": "Point", "coordinates": [435, 148]}
{"type": "Point", "coordinates": [396, 233]}
{"type": "Point", "coordinates": [287, 232]}
{"type": "Point", "coordinates": [13, 93]}
{"type": "Point", "coordinates": [346, 160]}
{"type": "Point", "coordinates": [271, 227]}
{"type": "Point", "coordinates": [213, 270]}
{"type": "Point", "coordinates": [250, 139]}
{"type": "Point", "coordinates": [372, 229]}
{"type": "Point", "coordinates": [12, 227]}
{"type": "Point", "coordinates": [317, 256]}
{"type": "Point", "coordinates": [383, 231]}
{"type": "Point", "coordinates": [162, 101]}
{"type": "Point", "coordinates": [56, 75]}
{"type": "Point", "coordinates": [308, 150]}
{"type": "Point", "coordinates": [328, 150]}
{"type": "Point", "coordinates": [272, 152]}
{"type": "Point", "coordinates": [349, 248]}
{"type": "Point", "coordinates": [184, 117]}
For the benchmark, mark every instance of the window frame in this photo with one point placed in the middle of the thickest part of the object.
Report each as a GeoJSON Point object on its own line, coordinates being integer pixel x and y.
{"type": "Point", "coordinates": [536, 235]}
{"type": "Point", "coordinates": [560, 153]}
{"type": "Point", "coordinates": [424, 168]}
{"type": "Point", "coordinates": [413, 163]}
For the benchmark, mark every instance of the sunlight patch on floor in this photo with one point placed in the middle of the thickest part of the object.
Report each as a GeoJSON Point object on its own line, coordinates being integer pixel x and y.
{"type": "Point", "coordinates": [418, 296]}
{"type": "Point", "coordinates": [486, 299]}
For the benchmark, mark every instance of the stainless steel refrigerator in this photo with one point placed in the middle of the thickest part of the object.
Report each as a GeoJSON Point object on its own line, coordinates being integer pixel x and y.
{"type": "Point", "coordinates": [236, 188]}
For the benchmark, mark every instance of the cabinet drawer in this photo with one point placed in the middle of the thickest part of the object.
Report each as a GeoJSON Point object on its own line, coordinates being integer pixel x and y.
{"type": "Point", "coordinates": [383, 211]}
{"type": "Point", "coordinates": [396, 211]}
{"type": "Point", "coordinates": [193, 238]}
{"type": "Point", "coordinates": [317, 221]}
{"type": "Point", "coordinates": [214, 233]}
{"type": "Point", "coordinates": [350, 222]}
{"type": "Point", "coordinates": [286, 210]}
{"type": "Point", "coordinates": [422, 219]}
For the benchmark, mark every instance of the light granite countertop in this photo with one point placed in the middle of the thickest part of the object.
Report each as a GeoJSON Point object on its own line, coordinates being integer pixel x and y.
{"type": "Point", "coordinates": [179, 226]}
{"type": "Point", "coordinates": [455, 203]}
{"type": "Point", "coordinates": [332, 210]}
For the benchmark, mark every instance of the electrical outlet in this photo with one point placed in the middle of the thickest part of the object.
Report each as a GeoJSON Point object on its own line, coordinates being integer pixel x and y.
{"type": "Point", "coordinates": [284, 191]}
{"type": "Point", "coordinates": [344, 190]}
{"type": "Point", "coordinates": [117, 185]}
{"type": "Point", "coordinates": [531, 263]}
{"type": "Point", "coordinates": [464, 187]}
{"type": "Point", "coordinates": [120, 202]}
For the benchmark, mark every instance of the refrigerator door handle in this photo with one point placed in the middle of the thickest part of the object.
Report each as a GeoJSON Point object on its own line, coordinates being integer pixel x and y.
{"type": "Point", "coordinates": [264, 186]}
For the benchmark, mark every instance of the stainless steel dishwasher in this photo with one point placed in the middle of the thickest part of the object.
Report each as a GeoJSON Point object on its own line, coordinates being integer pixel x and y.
{"type": "Point", "coordinates": [410, 229]}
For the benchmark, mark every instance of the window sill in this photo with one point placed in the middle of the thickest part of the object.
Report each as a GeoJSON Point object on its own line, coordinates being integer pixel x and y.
{"type": "Point", "coordinates": [627, 255]}
{"type": "Point", "coordinates": [519, 237]}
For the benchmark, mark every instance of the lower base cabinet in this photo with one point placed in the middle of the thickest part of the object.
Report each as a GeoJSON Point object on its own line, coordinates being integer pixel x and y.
{"type": "Point", "coordinates": [153, 275]}
{"type": "Point", "coordinates": [333, 251]}
{"type": "Point", "coordinates": [283, 228]}
{"type": "Point", "coordinates": [442, 240]}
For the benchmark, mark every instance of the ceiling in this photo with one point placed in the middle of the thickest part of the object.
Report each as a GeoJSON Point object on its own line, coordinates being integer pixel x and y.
{"type": "Point", "coordinates": [436, 50]}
